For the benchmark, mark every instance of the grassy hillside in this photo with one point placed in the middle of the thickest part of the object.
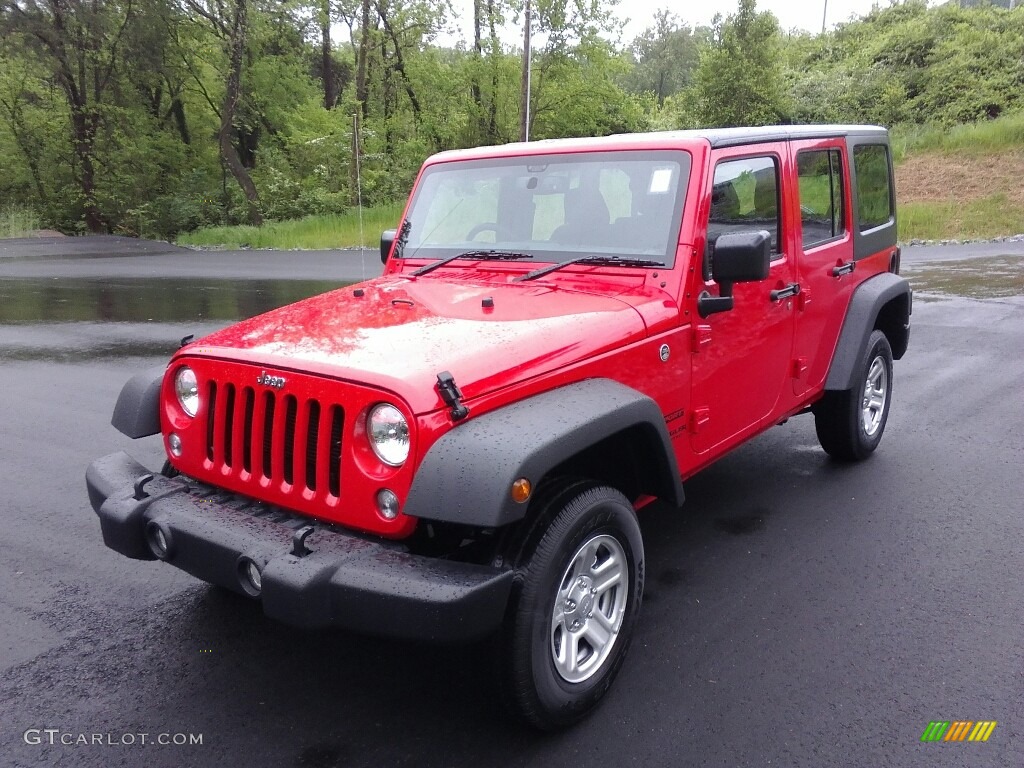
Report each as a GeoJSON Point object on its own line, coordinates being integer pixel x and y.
{"type": "Point", "coordinates": [961, 183]}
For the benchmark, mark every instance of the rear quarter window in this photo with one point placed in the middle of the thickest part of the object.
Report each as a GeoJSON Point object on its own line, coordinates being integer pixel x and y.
{"type": "Point", "coordinates": [874, 192]}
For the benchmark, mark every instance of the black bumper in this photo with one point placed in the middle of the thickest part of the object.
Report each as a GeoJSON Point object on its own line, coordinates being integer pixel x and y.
{"type": "Point", "coordinates": [343, 581]}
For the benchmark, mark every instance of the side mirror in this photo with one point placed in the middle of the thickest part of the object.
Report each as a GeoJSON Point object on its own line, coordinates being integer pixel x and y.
{"type": "Point", "coordinates": [738, 257]}
{"type": "Point", "coordinates": [387, 239]}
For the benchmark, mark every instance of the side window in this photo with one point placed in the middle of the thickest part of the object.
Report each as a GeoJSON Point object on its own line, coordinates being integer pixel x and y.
{"type": "Point", "coordinates": [744, 197]}
{"type": "Point", "coordinates": [874, 195]}
{"type": "Point", "coordinates": [822, 207]}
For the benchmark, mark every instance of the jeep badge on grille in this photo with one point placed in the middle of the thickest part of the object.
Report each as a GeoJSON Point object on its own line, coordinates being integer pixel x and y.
{"type": "Point", "coordinates": [274, 382]}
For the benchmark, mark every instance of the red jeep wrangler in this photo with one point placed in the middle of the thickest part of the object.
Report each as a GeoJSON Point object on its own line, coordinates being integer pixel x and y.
{"type": "Point", "coordinates": [564, 331]}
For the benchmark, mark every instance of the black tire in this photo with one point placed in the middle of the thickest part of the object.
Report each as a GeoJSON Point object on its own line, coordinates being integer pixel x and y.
{"type": "Point", "coordinates": [844, 430]}
{"type": "Point", "coordinates": [575, 521]}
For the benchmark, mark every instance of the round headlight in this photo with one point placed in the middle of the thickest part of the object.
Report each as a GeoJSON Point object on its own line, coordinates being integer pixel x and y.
{"type": "Point", "coordinates": [186, 387]}
{"type": "Point", "coordinates": [389, 434]}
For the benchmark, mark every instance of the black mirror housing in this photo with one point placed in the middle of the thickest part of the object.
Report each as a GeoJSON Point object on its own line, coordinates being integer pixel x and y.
{"type": "Point", "coordinates": [387, 239]}
{"type": "Point", "coordinates": [738, 257]}
{"type": "Point", "coordinates": [741, 257]}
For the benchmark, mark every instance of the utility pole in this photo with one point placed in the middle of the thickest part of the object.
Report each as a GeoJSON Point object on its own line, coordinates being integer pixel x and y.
{"type": "Point", "coordinates": [524, 95]}
{"type": "Point", "coordinates": [824, 15]}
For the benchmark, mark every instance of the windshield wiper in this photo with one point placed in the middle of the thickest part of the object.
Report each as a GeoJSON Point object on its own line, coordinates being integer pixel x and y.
{"type": "Point", "coordinates": [488, 255]}
{"type": "Point", "coordinates": [615, 261]}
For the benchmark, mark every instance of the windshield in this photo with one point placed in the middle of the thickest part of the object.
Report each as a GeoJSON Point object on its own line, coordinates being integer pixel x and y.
{"type": "Point", "coordinates": [554, 207]}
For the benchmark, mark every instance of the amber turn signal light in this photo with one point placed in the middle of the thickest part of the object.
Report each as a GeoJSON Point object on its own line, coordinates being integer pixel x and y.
{"type": "Point", "coordinates": [521, 490]}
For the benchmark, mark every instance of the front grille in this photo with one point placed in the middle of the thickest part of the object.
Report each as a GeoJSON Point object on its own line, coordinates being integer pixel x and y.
{"type": "Point", "coordinates": [275, 437]}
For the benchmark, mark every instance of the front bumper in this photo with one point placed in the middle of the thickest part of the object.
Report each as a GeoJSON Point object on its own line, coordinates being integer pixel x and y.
{"type": "Point", "coordinates": [338, 579]}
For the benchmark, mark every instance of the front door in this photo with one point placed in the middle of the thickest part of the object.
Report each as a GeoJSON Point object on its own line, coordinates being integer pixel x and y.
{"type": "Point", "coordinates": [742, 357]}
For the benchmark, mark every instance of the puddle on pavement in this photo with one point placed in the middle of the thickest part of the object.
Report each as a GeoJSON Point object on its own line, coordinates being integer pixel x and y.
{"type": "Point", "coordinates": [33, 301]}
{"type": "Point", "coordinates": [991, 277]}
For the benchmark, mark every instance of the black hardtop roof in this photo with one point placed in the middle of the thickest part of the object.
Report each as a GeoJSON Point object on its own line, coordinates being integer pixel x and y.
{"type": "Point", "coordinates": [716, 137]}
{"type": "Point", "coordinates": [731, 137]}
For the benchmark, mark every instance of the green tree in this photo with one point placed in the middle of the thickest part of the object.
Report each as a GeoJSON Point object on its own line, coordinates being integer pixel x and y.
{"type": "Point", "coordinates": [739, 80]}
{"type": "Point", "coordinates": [665, 57]}
{"type": "Point", "coordinates": [79, 44]}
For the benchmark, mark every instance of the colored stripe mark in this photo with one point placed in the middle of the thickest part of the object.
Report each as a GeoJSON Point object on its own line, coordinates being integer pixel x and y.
{"type": "Point", "coordinates": [935, 731]}
{"type": "Point", "coordinates": [982, 730]}
{"type": "Point", "coordinates": [958, 730]}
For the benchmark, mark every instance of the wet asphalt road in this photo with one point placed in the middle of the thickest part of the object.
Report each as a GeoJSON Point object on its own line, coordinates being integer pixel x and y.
{"type": "Point", "coordinates": [797, 612]}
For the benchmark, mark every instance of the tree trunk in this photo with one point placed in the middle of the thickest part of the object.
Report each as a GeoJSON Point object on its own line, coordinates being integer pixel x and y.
{"type": "Point", "coordinates": [83, 129]}
{"type": "Point", "coordinates": [232, 92]}
{"type": "Point", "coordinates": [399, 64]}
{"type": "Point", "coordinates": [178, 112]}
{"type": "Point", "coordinates": [495, 45]}
{"type": "Point", "coordinates": [524, 93]}
{"type": "Point", "coordinates": [478, 52]}
{"type": "Point", "coordinates": [363, 55]}
{"type": "Point", "coordinates": [327, 61]}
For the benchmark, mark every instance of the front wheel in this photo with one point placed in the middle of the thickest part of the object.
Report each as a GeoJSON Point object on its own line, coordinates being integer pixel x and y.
{"type": "Point", "coordinates": [850, 423]}
{"type": "Point", "coordinates": [579, 582]}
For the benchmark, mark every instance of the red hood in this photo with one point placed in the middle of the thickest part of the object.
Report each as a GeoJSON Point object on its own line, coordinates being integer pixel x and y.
{"type": "Point", "coordinates": [402, 332]}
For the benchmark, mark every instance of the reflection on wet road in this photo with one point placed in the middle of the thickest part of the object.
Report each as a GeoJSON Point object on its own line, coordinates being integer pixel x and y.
{"type": "Point", "coordinates": [147, 300]}
{"type": "Point", "coordinates": [67, 320]}
{"type": "Point", "coordinates": [991, 277]}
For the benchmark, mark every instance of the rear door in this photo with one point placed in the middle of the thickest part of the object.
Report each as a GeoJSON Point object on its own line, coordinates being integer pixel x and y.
{"type": "Point", "coordinates": [741, 358]}
{"type": "Point", "coordinates": [825, 258]}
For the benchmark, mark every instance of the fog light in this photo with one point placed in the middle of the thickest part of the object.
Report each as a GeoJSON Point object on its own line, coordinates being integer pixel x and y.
{"type": "Point", "coordinates": [175, 444]}
{"type": "Point", "coordinates": [250, 577]}
{"type": "Point", "coordinates": [159, 540]}
{"type": "Point", "coordinates": [387, 504]}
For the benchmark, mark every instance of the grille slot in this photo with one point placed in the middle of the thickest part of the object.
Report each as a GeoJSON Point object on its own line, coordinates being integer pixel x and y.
{"type": "Point", "coordinates": [268, 433]}
{"type": "Point", "coordinates": [211, 418]}
{"type": "Point", "coordinates": [312, 434]}
{"type": "Point", "coordinates": [334, 451]}
{"type": "Point", "coordinates": [229, 422]}
{"type": "Point", "coordinates": [291, 408]}
{"type": "Point", "coordinates": [293, 441]}
{"type": "Point", "coordinates": [249, 399]}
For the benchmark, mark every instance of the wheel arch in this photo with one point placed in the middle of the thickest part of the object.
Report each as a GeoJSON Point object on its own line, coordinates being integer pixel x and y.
{"type": "Point", "coordinates": [882, 302]}
{"type": "Point", "coordinates": [466, 476]}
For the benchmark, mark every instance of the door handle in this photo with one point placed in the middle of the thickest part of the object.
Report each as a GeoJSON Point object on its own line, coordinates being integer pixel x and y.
{"type": "Point", "coordinates": [784, 293]}
{"type": "Point", "coordinates": [844, 269]}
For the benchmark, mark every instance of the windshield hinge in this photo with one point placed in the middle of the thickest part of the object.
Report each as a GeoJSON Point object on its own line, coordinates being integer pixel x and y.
{"type": "Point", "coordinates": [451, 394]}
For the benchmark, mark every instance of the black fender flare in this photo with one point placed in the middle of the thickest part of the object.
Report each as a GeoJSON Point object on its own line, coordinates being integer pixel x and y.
{"type": "Point", "coordinates": [467, 475]}
{"type": "Point", "coordinates": [868, 301]}
{"type": "Point", "coordinates": [137, 411]}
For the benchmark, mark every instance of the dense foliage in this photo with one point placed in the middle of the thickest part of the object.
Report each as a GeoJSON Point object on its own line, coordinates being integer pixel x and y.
{"type": "Point", "coordinates": [152, 117]}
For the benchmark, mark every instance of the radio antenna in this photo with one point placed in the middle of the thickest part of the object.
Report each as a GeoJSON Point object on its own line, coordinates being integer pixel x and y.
{"type": "Point", "coordinates": [359, 193]}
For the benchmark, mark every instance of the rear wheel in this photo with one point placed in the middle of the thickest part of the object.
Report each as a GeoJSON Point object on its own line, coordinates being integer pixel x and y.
{"type": "Point", "coordinates": [850, 423]}
{"type": "Point", "coordinates": [579, 583]}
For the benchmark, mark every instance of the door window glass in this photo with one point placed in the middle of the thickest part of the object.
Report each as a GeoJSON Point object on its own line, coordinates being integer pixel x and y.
{"type": "Point", "coordinates": [745, 197]}
{"type": "Point", "coordinates": [822, 207]}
